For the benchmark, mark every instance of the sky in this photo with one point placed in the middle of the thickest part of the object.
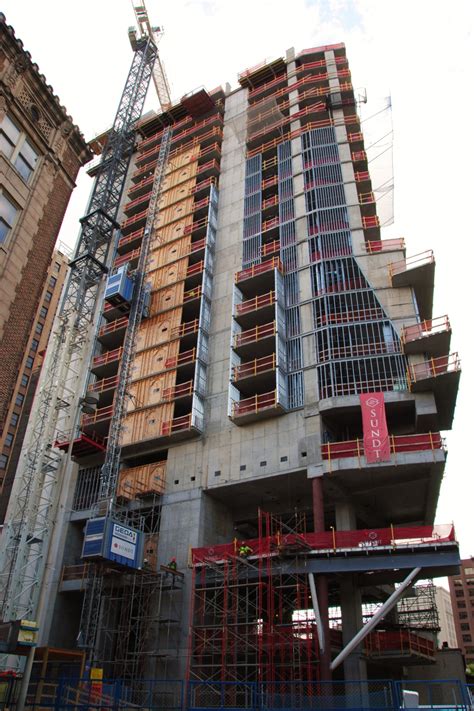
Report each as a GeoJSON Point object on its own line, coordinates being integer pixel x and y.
{"type": "Point", "coordinates": [418, 52]}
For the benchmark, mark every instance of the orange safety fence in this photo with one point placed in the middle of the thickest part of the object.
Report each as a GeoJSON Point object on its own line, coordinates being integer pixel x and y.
{"type": "Point", "coordinates": [128, 257]}
{"type": "Point", "coordinates": [192, 294]}
{"type": "Point", "coordinates": [355, 137]}
{"type": "Point", "coordinates": [428, 327]}
{"type": "Point", "coordinates": [359, 350]}
{"type": "Point", "coordinates": [359, 155]}
{"type": "Point", "coordinates": [256, 269]}
{"type": "Point", "coordinates": [179, 424]}
{"type": "Point", "coordinates": [107, 357]}
{"type": "Point", "coordinates": [138, 217]}
{"type": "Point", "coordinates": [257, 302]}
{"type": "Point", "coordinates": [366, 198]}
{"type": "Point", "coordinates": [361, 176]}
{"type": "Point", "coordinates": [332, 541]}
{"type": "Point", "coordinates": [196, 268]}
{"type": "Point", "coordinates": [369, 314]}
{"type": "Point", "coordinates": [138, 234]}
{"type": "Point", "coordinates": [184, 329]}
{"type": "Point", "coordinates": [137, 201]}
{"type": "Point", "coordinates": [340, 251]}
{"type": "Point", "coordinates": [254, 404]}
{"type": "Point", "coordinates": [181, 359]}
{"type": "Point", "coordinates": [349, 285]}
{"type": "Point", "coordinates": [310, 65]}
{"type": "Point", "coordinates": [214, 147]}
{"type": "Point", "coordinates": [403, 641]}
{"type": "Point", "coordinates": [254, 367]}
{"type": "Point", "coordinates": [399, 444]}
{"type": "Point", "coordinates": [418, 260]}
{"type": "Point", "coordinates": [379, 245]}
{"type": "Point", "coordinates": [372, 221]}
{"type": "Point", "coordinates": [356, 387]}
{"type": "Point", "coordinates": [145, 157]}
{"type": "Point", "coordinates": [112, 326]}
{"type": "Point", "coordinates": [104, 413]}
{"type": "Point", "coordinates": [104, 384]}
{"type": "Point", "coordinates": [270, 248]}
{"type": "Point", "coordinates": [195, 225]}
{"type": "Point", "coordinates": [177, 391]}
{"type": "Point", "coordinates": [433, 367]}
{"type": "Point", "coordinates": [254, 334]}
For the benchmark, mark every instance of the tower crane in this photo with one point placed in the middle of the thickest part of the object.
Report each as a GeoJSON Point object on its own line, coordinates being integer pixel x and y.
{"type": "Point", "coordinates": [145, 29]}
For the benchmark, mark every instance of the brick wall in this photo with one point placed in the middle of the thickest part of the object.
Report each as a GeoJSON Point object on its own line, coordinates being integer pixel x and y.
{"type": "Point", "coordinates": [28, 292]}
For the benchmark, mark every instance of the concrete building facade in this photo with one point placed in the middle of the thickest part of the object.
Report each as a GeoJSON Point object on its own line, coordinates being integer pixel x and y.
{"type": "Point", "coordinates": [461, 588]}
{"type": "Point", "coordinates": [41, 152]}
{"type": "Point", "coordinates": [447, 632]}
{"type": "Point", "coordinates": [278, 321]}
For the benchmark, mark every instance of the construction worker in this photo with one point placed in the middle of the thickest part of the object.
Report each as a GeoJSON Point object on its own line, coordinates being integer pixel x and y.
{"type": "Point", "coordinates": [172, 564]}
{"type": "Point", "coordinates": [244, 550]}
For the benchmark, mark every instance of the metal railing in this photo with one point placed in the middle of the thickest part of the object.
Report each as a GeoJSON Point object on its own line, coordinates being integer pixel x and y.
{"type": "Point", "coordinates": [425, 329]}
{"type": "Point", "coordinates": [254, 367]}
{"type": "Point", "coordinates": [254, 404]}
{"type": "Point", "coordinates": [399, 444]}
{"type": "Point", "coordinates": [382, 245]}
{"type": "Point", "coordinates": [256, 269]}
{"type": "Point", "coordinates": [433, 368]}
{"type": "Point", "coordinates": [257, 302]}
{"type": "Point", "coordinates": [417, 260]}
{"type": "Point", "coordinates": [254, 334]}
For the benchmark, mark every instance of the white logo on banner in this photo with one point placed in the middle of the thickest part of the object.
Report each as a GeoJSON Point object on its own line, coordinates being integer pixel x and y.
{"type": "Point", "coordinates": [126, 534]}
{"type": "Point", "coordinates": [123, 548]}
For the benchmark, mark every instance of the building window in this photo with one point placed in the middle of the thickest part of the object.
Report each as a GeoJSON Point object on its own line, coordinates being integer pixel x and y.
{"type": "Point", "coordinates": [14, 419]}
{"type": "Point", "coordinates": [461, 603]}
{"type": "Point", "coordinates": [24, 381]}
{"type": "Point", "coordinates": [17, 148]}
{"type": "Point", "coordinates": [52, 281]}
{"type": "Point", "coordinates": [19, 399]}
{"type": "Point", "coordinates": [29, 362]}
{"type": "Point", "coordinates": [57, 267]}
{"type": "Point", "coordinates": [34, 344]}
{"type": "Point", "coordinates": [8, 440]}
{"type": "Point", "coordinates": [466, 638]}
{"type": "Point", "coordinates": [468, 571]}
{"type": "Point", "coordinates": [8, 215]}
{"type": "Point", "coordinates": [457, 582]}
{"type": "Point", "coordinates": [459, 593]}
{"type": "Point", "coordinates": [3, 461]}
{"type": "Point", "coordinates": [43, 312]}
{"type": "Point", "coordinates": [463, 615]}
{"type": "Point", "coordinates": [465, 626]}
{"type": "Point", "coordinates": [48, 296]}
{"type": "Point", "coordinates": [39, 328]}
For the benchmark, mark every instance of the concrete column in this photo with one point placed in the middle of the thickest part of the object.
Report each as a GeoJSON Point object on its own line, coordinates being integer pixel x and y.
{"type": "Point", "coordinates": [321, 580]}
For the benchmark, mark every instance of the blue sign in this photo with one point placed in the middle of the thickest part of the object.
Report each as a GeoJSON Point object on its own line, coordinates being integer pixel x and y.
{"type": "Point", "coordinates": [107, 539]}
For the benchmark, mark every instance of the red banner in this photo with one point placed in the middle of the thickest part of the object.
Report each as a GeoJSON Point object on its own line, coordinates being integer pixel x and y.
{"type": "Point", "coordinates": [374, 425]}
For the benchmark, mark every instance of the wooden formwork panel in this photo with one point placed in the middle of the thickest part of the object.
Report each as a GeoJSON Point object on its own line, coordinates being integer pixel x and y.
{"type": "Point", "coordinates": [170, 274]}
{"type": "Point", "coordinates": [157, 330]}
{"type": "Point", "coordinates": [170, 232]}
{"type": "Point", "coordinates": [177, 193]}
{"type": "Point", "coordinates": [169, 253]}
{"type": "Point", "coordinates": [145, 479]}
{"type": "Point", "coordinates": [174, 212]}
{"type": "Point", "coordinates": [149, 391]}
{"type": "Point", "coordinates": [145, 424]}
{"type": "Point", "coordinates": [151, 551]}
{"type": "Point", "coordinates": [180, 170]}
{"type": "Point", "coordinates": [167, 298]}
{"type": "Point", "coordinates": [153, 360]}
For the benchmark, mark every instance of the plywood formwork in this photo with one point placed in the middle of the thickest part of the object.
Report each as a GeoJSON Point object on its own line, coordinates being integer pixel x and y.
{"type": "Point", "coordinates": [154, 360]}
{"type": "Point", "coordinates": [167, 298]}
{"type": "Point", "coordinates": [176, 193]}
{"type": "Point", "coordinates": [146, 424]}
{"type": "Point", "coordinates": [174, 212]}
{"type": "Point", "coordinates": [146, 479]}
{"type": "Point", "coordinates": [171, 232]}
{"type": "Point", "coordinates": [170, 274]}
{"type": "Point", "coordinates": [158, 329]}
{"type": "Point", "coordinates": [169, 253]}
{"type": "Point", "coordinates": [149, 391]}
{"type": "Point", "coordinates": [151, 551]}
{"type": "Point", "coordinates": [181, 167]}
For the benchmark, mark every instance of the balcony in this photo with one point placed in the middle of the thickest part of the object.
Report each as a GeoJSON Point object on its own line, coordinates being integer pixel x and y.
{"type": "Point", "coordinates": [401, 645]}
{"type": "Point", "coordinates": [184, 330]}
{"type": "Point", "coordinates": [405, 488]}
{"type": "Point", "coordinates": [82, 445]}
{"type": "Point", "coordinates": [418, 272]}
{"type": "Point", "coordinates": [178, 392]}
{"type": "Point", "coordinates": [105, 389]}
{"type": "Point", "coordinates": [257, 373]}
{"type": "Point", "coordinates": [262, 274]}
{"type": "Point", "coordinates": [259, 339]}
{"type": "Point", "coordinates": [261, 308]}
{"type": "Point", "coordinates": [103, 364]}
{"type": "Point", "coordinates": [111, 334]}
{"type": "Point", "coordinates": [440, 376]}
{"type": "Point", "coordinates": [134, 223]}
{"type": "Point", "coordinates": [128, 242]}
{"type": "Point", "coordinates": [181, 360]}
{"type": "Point", "coordinates": [384, 245]}
{"type": "Point", "coordinates": [128, 258]}
{"type": "Point", "coordinates": [432, 337]}
{"type": "Point", "coordinates": [137, 205]}
{"type": "Point", "coordinates": [256, 407]}
{"type": "Point", "coordinates": [98, 423]}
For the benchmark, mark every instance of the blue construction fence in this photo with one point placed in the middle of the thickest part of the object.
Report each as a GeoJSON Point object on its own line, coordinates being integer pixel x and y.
{"type": "Point", "coordinates": [159, 695]}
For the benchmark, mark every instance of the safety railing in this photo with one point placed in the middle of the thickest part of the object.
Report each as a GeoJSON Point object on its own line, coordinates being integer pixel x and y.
{"type": "Point", "coordinates": [103, 385]}
{"type": "Point", "coordinates": [143, 170]}
{"type": "Point", "coordinates": [174, 392]}
{"type": "Point", "coordinates": [117, 325]}
{"type": "Point", "coordinates": [399, 444]}
{"type": "Point", "coordinates": [270, 248]}
{"type": "Point", "coordinates": [340, 251]}
{"type": "Point", "coordinates": [184, 329]}
{"type": "Point", "coordinates": [192, 294]}
{"type": "Point", "coordinates": [346, 285]}
{"type": "Point", "coordinates": [179, 424]}
{"type": "Point", "coordinates": [366, 198]}
{"type": "Point", "coordinates": [334, 542]}
{"type": "Point", "coordinates": [433, 368]}
{"type": "Point", "coordinates": [358, 350]}
{"type": "Point", "coordinates": [202, 185]}
{"type": "Point", "coordinates": [198, 224]}
{"type": "Point", "coordinates": [128, 257]}
{"type": "Point", "coordinates": [282, 77]}
{"type": "Point", "coordinates": [369, 314]}
{"type": "Point", "coordinates": [139, 186]}
{"type": "Point", "coordinates": [254, 367]}
{"type": "Point", "coordinates": [425, 329]}
{"type": "Point", "coordinates": [256, 269]}
{"type": "Point", "coordinates": [126, 239]}
{"type": "Point", "coordinates": [355, 387]}
{"type": "Point", "coordinates": [370, 222]}
{"type": "Point", "coordinates": [101, 415]}
{"type": "Point", "coordinates": [181, 359]}
{"type": "Point", "coordinates": [145, 157]}
{"type": "Point", "coordinates": [417, 260]}
{"type": "Point", "coordinates": [355, 137]}
{"type": "Point", "coordinates": [361, 176]}
{"type": "Point", "coordinates": [135, 219]}
{"type": "Point", "coordinates": [254, 404]}
{"type": "Point", "coordinates": [382, 245]}
{"type": "Point", "coordinates": [256, 303]}
{"type": "Point", "coordinates": [196, 268]}
{"type": "Point", "coordinates": [270, 202]}
{"type": "Point", "coordinates": [388, 643]}
{"type": "Point", "coordinates": [254, 334]}
{"type": "Point", "coordinates": [87, 491]}
{"type": "Point", "coordinates": [75, 572]}
{"type": "Point", "coordinates": [137, 201]}
{"type": "Point", "coordinates": [358, 156]}
{"type": "Point", "coordinates": [107, 357]}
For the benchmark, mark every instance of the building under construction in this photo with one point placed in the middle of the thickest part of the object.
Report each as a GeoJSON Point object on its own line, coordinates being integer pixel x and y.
{"type": "Point", "coordinates": [250, 493]}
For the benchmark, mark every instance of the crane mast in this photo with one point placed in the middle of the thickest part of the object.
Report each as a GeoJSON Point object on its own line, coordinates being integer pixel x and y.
{"type": "Point", "coordinates": [145, 29]}
{"type": "Point", "coordinates": [42, 476]}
